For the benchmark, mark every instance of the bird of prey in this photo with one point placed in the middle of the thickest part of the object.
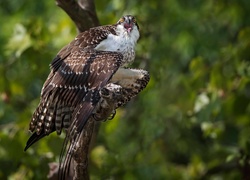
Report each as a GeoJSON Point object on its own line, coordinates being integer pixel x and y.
{"type": "Point", "coordinates": [89, 78]}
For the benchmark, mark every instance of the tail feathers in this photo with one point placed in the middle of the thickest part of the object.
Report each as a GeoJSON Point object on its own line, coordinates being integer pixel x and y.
{"type": "Point", "coordinates": [34, 138]}
{"type": "Point", "coordinates": [50, 115]}
{"type": "Point", "coordinates": [79, 119]}
{"type": "Point", "coordinates": [48, 118]}
{"type": "Point", "coordinates": [42, 118]}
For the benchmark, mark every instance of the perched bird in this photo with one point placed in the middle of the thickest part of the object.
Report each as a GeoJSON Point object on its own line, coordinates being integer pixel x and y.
{"type": "Point", "coordinates": [89, 78]}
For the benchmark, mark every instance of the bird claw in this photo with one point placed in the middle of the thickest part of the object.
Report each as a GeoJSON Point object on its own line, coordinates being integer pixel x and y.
{"type": "Point", "coordinates": [104, 93]}
{"type": "Point", "coordinates": [110, 95]}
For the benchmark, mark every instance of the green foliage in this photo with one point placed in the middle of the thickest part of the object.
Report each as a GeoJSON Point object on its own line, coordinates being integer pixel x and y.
{"type": "Point", "coordinates": [191, 122]}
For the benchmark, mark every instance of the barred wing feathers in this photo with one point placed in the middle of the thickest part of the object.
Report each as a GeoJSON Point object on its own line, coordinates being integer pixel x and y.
{"type": "Point", "coordinates": [71, 90]}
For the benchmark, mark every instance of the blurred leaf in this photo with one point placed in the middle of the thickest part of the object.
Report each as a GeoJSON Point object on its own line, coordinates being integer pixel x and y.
{"type": "Point", "coordinates": [20, 37]}
{"type": "Point", "coordinates": [201, 101]}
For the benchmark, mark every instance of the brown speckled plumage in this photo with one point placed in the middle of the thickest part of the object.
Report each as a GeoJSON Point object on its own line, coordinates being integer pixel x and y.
{"type": "Point", "coordinates": [87, 78]}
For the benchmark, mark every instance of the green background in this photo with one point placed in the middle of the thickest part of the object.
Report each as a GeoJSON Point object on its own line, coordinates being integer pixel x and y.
{"type": "Point", "coordinates": [191, 122]}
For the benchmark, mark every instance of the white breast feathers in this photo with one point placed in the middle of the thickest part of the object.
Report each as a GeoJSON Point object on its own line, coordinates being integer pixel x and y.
{"type": "Point", "coordinates": [124, 42]}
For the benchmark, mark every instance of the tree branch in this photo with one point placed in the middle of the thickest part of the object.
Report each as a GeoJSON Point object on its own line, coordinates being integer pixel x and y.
{"type": "Point", "coordinates": [80, 159]}
{"type": "Point", "coordinates": [82, 13]}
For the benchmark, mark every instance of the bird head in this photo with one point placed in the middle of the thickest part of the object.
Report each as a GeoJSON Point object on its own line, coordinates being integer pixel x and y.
{"type": "Point", "coordinates": [128, 23]}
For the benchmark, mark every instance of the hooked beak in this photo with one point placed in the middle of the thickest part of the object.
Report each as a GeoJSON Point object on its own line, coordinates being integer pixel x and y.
{"type": "Point", "coordinates": [128, 27]}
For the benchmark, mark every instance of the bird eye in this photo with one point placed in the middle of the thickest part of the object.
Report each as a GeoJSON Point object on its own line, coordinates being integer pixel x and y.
{"type": "Point", "coordinates": [121, 20]}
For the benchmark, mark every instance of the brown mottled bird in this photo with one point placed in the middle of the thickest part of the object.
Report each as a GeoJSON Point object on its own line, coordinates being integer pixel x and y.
{"type": "Point", "coordinates": [89, 78]}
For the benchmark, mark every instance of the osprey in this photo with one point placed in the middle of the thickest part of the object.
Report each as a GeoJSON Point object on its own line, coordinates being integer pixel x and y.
{"type": "Point", "coordinates": [89, 78]}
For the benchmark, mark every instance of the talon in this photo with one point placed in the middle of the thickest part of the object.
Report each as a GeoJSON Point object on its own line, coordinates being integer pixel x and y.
{"type": "Point", "coordinates": [104, 92]}
{"type": "Point", "coordinates": [112, 115]}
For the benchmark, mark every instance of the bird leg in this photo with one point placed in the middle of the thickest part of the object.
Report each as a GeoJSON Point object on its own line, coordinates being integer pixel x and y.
{"type": "Point", "coordinates": [132, 82]}
{"type": "Point", "coordinates": [125, 84]}
{"type": "Point", "coordinates": [131, 78]}
{"type": "Point", "coordinates": [106, 107]}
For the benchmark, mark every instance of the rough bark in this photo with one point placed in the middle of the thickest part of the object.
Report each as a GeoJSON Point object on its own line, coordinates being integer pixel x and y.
{"type": "Point", "coordinates": [80, 160]}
